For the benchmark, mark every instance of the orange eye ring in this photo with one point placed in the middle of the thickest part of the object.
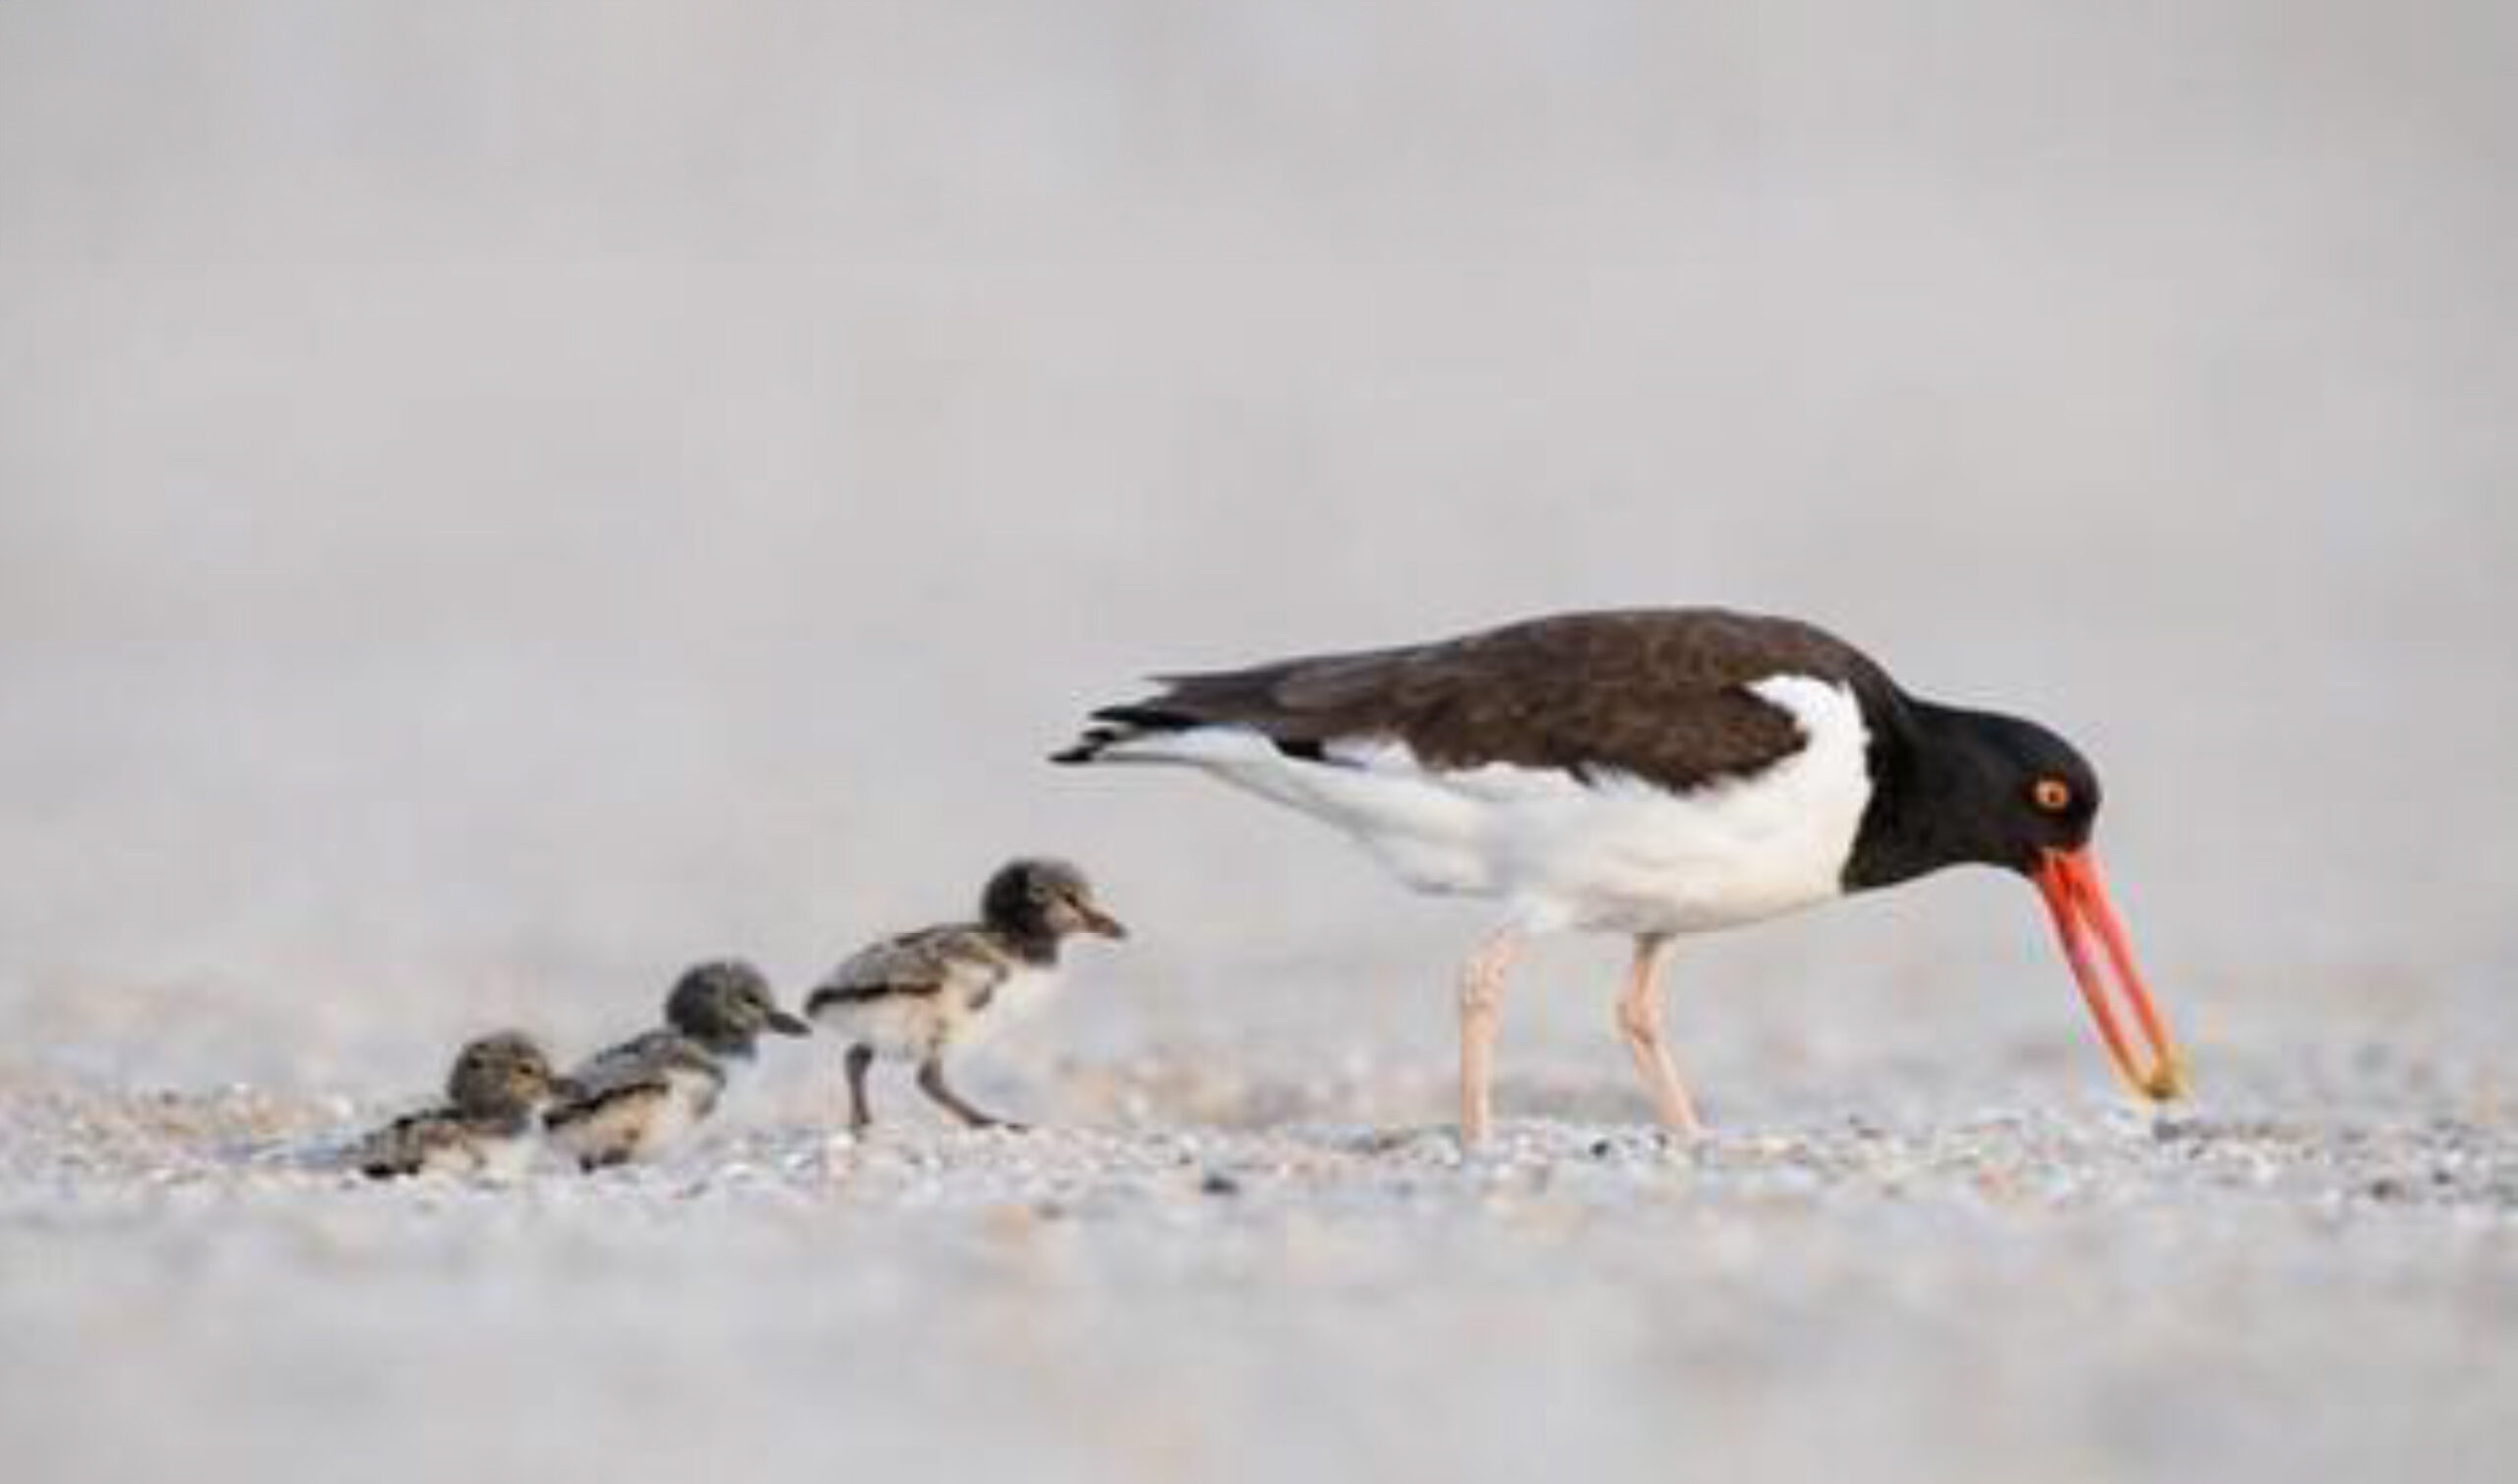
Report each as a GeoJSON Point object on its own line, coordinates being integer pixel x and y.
{"type": "Point", "coordinates": [2051, 795]}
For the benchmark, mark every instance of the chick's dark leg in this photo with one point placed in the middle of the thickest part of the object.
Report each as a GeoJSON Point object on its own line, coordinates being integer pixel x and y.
{"type": "Point", "coordinates": [861, 1115]}
{"type": "Point", "coordinates": [930, 1081]}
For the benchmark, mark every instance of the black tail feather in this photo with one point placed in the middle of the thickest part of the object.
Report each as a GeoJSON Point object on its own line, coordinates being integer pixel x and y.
{"type": "Point", "coordinates": [1113, 725]}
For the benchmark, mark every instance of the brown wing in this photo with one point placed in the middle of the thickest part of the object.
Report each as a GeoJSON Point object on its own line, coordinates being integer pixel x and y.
{"type": "Point", "coordinates": [912, 962]}
{"type": "Point", "coordinates": [1659, 693]}
{"type": "Point", "coordinates": [640, 1067]}
{"type": "Point", "coordinates": [639, 1057]}
{"type": "Point", "coordinates": [404, 1145]}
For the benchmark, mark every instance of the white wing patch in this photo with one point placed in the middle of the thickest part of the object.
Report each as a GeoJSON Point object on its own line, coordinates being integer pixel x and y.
{"type": "Point", "coordinates": [1618, 853]}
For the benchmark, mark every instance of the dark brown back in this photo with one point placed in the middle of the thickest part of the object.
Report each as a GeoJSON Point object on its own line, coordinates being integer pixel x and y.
{"type": "Point", "coordinates": [1661, 693]}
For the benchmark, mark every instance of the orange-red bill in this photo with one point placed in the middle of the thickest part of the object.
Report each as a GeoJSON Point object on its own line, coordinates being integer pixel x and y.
{"type": "Point", "coordinates": [2091, 931]}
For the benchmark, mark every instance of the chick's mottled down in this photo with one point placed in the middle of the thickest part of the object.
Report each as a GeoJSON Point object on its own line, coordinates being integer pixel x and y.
{"type": "Point", "coordinates": [638, 1098]}
{"type": "Point", "coordinates": [484, 1127]}
{"type": "Point", "coordinates": [915, 995]}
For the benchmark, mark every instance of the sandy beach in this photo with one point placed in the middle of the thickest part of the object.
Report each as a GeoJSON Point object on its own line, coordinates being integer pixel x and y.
{"type": "Point", "coordinates": [2078, 1293]}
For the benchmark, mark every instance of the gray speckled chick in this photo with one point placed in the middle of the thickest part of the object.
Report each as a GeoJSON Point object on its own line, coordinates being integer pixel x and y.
{"type": "Point", "coordinates": [916, 995]}
{"type": "Point", "coordinates": [638, 1098]}
{"type": "Point", "coordinates": [486, 1126]}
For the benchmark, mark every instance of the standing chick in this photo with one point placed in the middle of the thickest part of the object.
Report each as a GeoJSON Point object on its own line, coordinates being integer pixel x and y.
{"type": "Point", "coordinates": [642, 1095]}
{"type": "Point", "coordinates": [915, 995]}
{"type": "Point", "coordinates": [484, 1128]}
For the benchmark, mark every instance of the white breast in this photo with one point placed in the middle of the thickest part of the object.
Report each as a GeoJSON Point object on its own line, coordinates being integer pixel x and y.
{"type": "Point", "coordinates": [644, 1125]}
{"type": "Point", "coordinates": [1617, 853]}
{"type": "Point", "coordinates": [688, 1099]}
{"type": "Point", "coordinates": [482, 1157]}
{"type": "Point", "coordinates": [1019, 997]}
{"type": "Point", "coordinates": [914, 1025]}
{"type": "Point", "coordinates": [503, 1159]}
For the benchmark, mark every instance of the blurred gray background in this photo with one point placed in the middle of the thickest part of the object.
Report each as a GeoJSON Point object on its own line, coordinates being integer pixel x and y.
{"type": "Point", "coordinates": [497, 501]}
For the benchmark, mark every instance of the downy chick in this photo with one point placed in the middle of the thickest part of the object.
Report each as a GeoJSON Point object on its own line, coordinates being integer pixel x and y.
{"type": "Point", "coordinates": [641, 1097]}
{"type": "Point", "coordinates": [486, 1126]}
{"type": "Point", "coordinates": [917, 995]}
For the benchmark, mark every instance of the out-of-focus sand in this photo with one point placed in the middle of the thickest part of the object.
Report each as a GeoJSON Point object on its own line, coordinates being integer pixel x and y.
{"type": "Point", "coordinates": [497, 506]}
{"type": "Point", "coordinates": [1257, 1285]}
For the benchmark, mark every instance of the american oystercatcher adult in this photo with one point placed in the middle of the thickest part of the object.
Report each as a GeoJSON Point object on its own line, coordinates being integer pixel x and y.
{"type": "Point", "coordinates": [1651, 773]}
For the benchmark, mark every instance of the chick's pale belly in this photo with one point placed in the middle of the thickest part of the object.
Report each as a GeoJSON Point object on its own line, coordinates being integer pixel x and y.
{"type": "Point", "coordinates": [488, 1156]}
{"type": "Point", "coordinates": [970, 1009]}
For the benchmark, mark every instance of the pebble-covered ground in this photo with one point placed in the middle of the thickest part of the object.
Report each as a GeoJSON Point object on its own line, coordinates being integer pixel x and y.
{"type": "Point", "coordinates": [1277, 1292]}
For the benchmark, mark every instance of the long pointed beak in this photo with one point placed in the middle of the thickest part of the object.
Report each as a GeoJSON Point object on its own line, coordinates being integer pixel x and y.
{"type": "Point", "coordinates": [2090, 929]}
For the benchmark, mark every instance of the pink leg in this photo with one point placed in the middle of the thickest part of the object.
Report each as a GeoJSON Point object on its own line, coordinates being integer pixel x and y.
{"type": "Point", "coordinates": [1482, 985]}
{"type": "Point", "coordinates": [1639, 1020]}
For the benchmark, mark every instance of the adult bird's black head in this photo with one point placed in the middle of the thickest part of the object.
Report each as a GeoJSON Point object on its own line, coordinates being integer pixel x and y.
{"type": "Point", "coordinates": [1954, 787]}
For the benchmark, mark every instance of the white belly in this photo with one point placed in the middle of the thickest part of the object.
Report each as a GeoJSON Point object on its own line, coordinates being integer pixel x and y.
{"type": "Point", "coordinates": [1020, 997]}
{"type": "Point", "coordinates": [641, 1127]}
{"type": "Point", "coordinates": [507, 1159]}
{"type": "Point", "coordinates": [482, 1157]}
{"type": "Point", "coordinates": [906, 1026]}
{"type": "Point", "coordinates": [1616, 853]}
{"type": "Point", "coordinates": [911, 1026]}
{"type": "Point", "coordinates": [690, 1097]}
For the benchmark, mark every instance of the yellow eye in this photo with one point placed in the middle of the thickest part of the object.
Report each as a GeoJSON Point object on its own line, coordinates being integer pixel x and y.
{"type": "Point", "coordinates": [2051, 795]}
